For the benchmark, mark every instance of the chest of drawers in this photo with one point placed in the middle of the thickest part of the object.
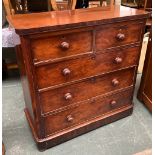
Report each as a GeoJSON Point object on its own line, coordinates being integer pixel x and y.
{"type": "Point", "coordinates": [78, 69]}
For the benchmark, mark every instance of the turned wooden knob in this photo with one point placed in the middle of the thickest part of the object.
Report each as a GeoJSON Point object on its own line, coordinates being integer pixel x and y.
{"type": "Point", "coordinates": [118, 60]}
{"type": "Point", "coordinates": [120, 36]}
{"type": "Point", "coordinates": [70, 118]}
{"type": "Point", "coordinates": [68, 96]}
{"type": "Point", "coordinates": [113, 103]}
{"type": "Point", "coordinates": [115, 82]}
{"type": "Point", "coordinates": [66, 71]}
{"type": "Point", "coordinates": [64, 45]}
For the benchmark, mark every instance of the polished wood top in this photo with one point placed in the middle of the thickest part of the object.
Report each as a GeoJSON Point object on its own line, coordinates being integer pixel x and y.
{"type": "Point", "coordinates": [56, 20]}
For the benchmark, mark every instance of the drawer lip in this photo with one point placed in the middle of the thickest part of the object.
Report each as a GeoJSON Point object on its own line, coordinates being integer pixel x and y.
{"type": "Point", "coordinates": [80, 80]}
{"type": "Point", "coordinates": [57, 60]}
{"type": "Point", "coordinates": [132, 22]}
{"type": "Point", "coordinates": [61, 32]}
{"type": "Point", "coordinates": [54, 112]}
{"type": "Point", "coordinates": [98, 116]}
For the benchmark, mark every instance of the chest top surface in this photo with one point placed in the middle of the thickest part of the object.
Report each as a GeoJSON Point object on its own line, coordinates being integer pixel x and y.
{"type": "Point", "coordinates": [50, 21]}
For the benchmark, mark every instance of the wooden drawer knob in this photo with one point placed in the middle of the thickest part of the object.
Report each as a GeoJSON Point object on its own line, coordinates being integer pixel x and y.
{"type": "Point", "coordinates": [70, 118]}
{"type": "Point", "coordinates": [113, 103]}
{"type": "Point", "coordinates": [64, 45]}
{"type": "Point", "coordinates": [118, 60]}
{"type": "Point", "coordinates": [115, 82]}
{"type": "Point", "coordinates": [66, 71]}
{"type": "Point", "coordinates": [68, 96]}
{"type": "Point", "coordinates": [120, 36]}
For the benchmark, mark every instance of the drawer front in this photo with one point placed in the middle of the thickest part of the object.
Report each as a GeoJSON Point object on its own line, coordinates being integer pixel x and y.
{"type": "Point", "coordinates": [86, 111]}
{"type": "Point", "coordinates": [67, 71]}
{"type": "Point", "coordinates": [60, 46]}
{"type": "Point", "coordinates": [113, 35]}
{"type": "Point", "coordinates": [65, 96]}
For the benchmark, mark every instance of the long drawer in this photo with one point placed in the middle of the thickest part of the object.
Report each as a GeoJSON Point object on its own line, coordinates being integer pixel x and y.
{"type": "Point", "coordinates": [63, 97]}
{"type": "Point", "coordinates": [86, 111]}
{"type": "Point", "coordinates": [112, 35]}
{"type": "Point", "coordinates": [62, 44]}
{"type": "Point", "coordinates": [86, 66]}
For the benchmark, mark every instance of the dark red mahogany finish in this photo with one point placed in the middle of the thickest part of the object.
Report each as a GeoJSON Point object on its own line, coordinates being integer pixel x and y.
{"type": "Point", "coordinates": [78, 69]}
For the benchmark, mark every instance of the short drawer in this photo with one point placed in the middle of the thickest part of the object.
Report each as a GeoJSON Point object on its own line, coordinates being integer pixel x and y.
{"type": "Point", "coordinates": [118, 34]}
{"type": "Point", "coordinates": [75, 69]}
{"type": "Point", "coordinates": [61, 45]}
{"type": "Point", "coordinates": [68, 95]}
{"type": "Point", "coordinates": [86, 111]}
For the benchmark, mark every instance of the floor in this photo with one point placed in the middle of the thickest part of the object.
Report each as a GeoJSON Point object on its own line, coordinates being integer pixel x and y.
{"type": "Point", "coordinates": [124, 137]}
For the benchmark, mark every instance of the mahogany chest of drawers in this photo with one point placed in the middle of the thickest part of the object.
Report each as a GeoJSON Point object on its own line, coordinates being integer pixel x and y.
{"type": "Point", "coordinates": [78, 69]}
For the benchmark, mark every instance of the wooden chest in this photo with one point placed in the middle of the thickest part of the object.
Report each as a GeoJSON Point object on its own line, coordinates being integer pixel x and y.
{"type": "Point", "coordinates": [78, 69]}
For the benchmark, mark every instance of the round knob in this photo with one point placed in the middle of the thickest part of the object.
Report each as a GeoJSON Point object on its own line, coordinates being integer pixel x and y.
{"type": "Point", "coordinates": [118, 60]}
{"type": "Point", "coordinates": [115, 82]}
{"type": "Point", "coordinates": [68, 96]}
{"type": "Point", "coordinates": [113, 103]}
{"type": "Point", "coordinates": [120, 36]}
{"type": "Point", "coordinates": [66, 71]}
{"type": "Point", "coordinates": [64, 45]}
{"type": "Point", "coordinates": [70, 118]}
